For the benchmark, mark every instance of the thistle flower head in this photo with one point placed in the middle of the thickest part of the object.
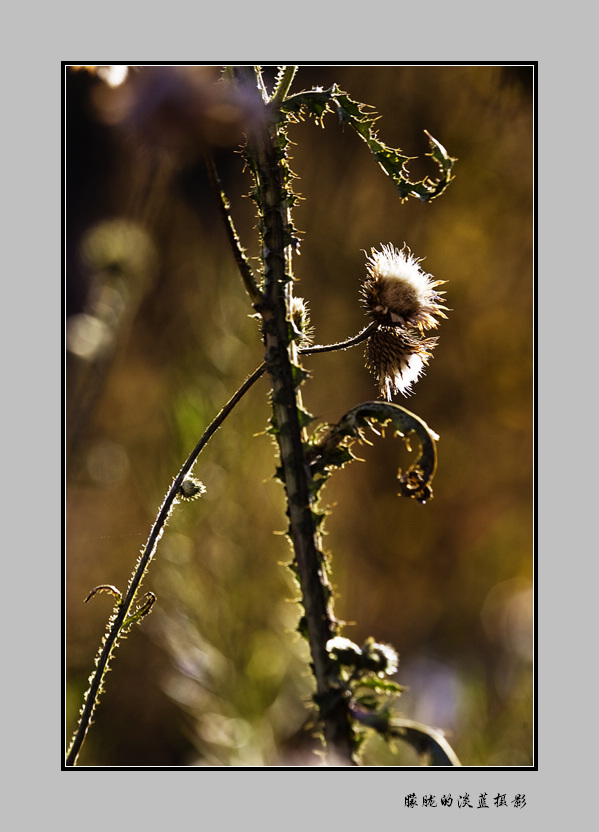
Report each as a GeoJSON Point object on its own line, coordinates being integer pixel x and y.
{"type": "Point", "coordinates": [404, 301]}
{"type": "Point", "coordinates": [397, 291]}
{"type": "Point", "coordinates": [397, 358]}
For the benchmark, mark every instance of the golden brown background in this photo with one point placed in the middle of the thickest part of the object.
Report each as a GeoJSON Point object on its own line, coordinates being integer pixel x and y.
{"type": "Point", "coordinates": [160, 335]}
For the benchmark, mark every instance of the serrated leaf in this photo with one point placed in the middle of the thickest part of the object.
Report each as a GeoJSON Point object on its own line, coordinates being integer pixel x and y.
{"type": "Point", "coordinates": [368, 701]}
{"type": "Point", "coordinates": [362, 119]}
{"type": "Point", "coordinates": [299, 375]}
{"type": "Point", "coordinates": [336, 443]}
{"type": "Point", "coordinates": [439, 154]}
{"type": "Point", "coordinates": [318, 517]}
{"type": "Point", "coordinates": [314, 103]}
{"type": "Point", "coordinates": [382, 685]}
{"type": "Point", "coordinates": [336, 458]}
{"type": "Point", "coordinates": [304, 418]}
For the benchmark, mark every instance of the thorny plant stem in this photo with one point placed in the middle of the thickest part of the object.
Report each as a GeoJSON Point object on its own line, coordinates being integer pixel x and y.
{"type": "Point", "coordinates": [320, 621]}
{"type": "Point", "coordinates": [123, 608]}
{"type": "Point", "coordinates": [264, 153]}
{"type": "Point", "coordinates": [225, 212]}
{"type": "Point", "coordinates": [280, 352]}
{"type": "Point", "coordinates": [342, 345]}
{"type": "Point", "coordinates": [283, 83]}
{"type": "Point", "coordinates": [244, 267]}
{"type": "Point", "coordinates": [273, 302]}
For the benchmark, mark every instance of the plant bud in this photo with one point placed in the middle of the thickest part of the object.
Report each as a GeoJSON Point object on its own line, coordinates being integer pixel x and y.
{"type": "Point", "coordinates": [191, 489]}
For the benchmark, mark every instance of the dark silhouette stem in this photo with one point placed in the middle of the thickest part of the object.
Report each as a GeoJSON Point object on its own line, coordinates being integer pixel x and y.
{"type": "Point", "coordinates": [123, 608]}
{"type": "Point", "coordinates": [225, 212]}
{"type": "Point", "coordinates": [264, 154]}
{"type": "Point", "coordinates": [342, 345]}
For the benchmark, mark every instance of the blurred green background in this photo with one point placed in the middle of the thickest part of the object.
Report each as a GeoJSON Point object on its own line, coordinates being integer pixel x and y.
{"type": "Point", "coordinates": [159, 335]}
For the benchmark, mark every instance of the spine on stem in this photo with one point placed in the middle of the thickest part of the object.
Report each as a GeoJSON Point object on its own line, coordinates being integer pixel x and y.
{"type": "Point", "coordinates": [266, 155]}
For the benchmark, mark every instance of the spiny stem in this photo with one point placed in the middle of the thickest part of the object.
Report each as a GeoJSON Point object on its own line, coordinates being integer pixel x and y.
{"type": "Point", "coordinates": [284, 81]}
{"type": "Point", "coordinates": [342, 345]}
{"type": "Point", "coordinates": [122, 609]}
{"type": "Point", "coordinates": [225, 212]}
{"type": "Point", "coordinates": [264, 152]}
{"type": "Point", "coordinates": [257, 71]}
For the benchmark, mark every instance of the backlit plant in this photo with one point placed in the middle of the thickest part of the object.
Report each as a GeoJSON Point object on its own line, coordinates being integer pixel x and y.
{"type": "Point", "coordinates": [354, 693]}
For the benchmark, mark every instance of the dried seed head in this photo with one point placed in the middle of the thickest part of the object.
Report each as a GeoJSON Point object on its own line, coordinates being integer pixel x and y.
{"type": "Point", "coordinates": [300, 319]}
{"type": "Point", "coordinates": [397, 358]}
{"type": "Point", "coordinates": [397, 291]}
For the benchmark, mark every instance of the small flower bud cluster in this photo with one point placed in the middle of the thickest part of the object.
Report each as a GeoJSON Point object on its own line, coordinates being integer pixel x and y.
{"type": "Point", "coordinates": [372, 657]}
{"type": "Point", "coordinates": [404, 300]}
